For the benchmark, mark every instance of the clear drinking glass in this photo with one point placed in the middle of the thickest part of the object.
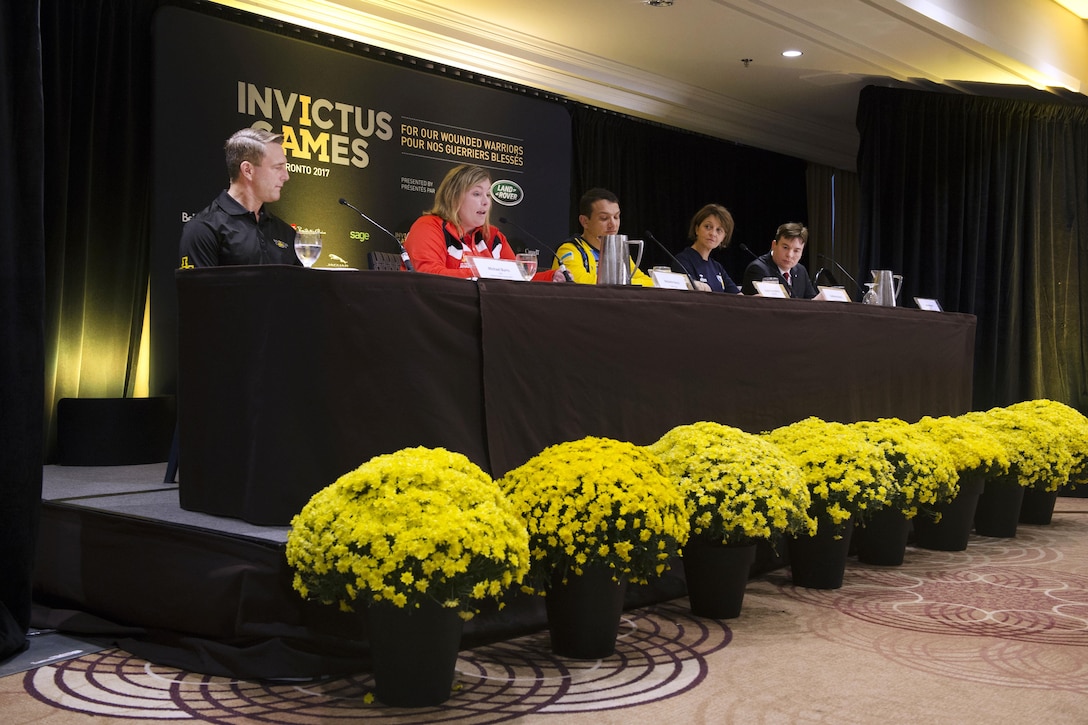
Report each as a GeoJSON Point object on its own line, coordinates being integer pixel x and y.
{"type": "Point", "coordinates": [527, 263]}
{"type": "Point", "coordinates": [308, 245]}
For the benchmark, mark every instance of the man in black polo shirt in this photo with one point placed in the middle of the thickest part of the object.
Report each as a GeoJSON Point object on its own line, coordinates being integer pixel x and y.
{"type": "Point", "coordinates": [236, 228]}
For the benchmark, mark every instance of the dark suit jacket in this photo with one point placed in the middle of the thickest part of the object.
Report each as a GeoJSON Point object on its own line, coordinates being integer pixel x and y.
{"type": "Point", "coordinates": [762, 266]}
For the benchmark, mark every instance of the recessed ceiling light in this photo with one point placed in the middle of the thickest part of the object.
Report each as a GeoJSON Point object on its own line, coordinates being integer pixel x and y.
{"type": "Point", "coordinates": [791, 53]}
{"type": "Point", "coordinates": [659, 3]}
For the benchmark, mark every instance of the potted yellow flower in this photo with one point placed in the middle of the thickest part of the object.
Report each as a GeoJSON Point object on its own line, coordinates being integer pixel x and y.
{"type": "Point", "coordinates": [977, 455]}
{"type": "Point", "coordinates": [418, 537]}
{"type": "Point", "coordinates": [923, 475]}
{"type": "Point", "coordinates": [1071, 428]}
{"type": "Point", "coordinates": [740, 489]}
{"type": "Point", "coordinates": [847, 477]}
{"type": "Point", "coordinates": [600, 513]}
{"type": "Point", "coordinates": [1038, 458]}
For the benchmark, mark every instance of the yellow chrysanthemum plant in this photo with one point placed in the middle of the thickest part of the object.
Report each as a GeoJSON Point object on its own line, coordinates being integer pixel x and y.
{"type": "Point", "coordinates": [597, 501]}
{"type": "Point", "coordinates": [1039, 455]}
{"type": "Point", "coordinates": [924, 474]}
{"type": "Point", "coordinates": [975, 452]}
{"type": "Point", "coordinates": [847, 476]}
{"type": "Point", "coordinates": [406, 527]}
{"type": "Point", "coordinates": [1070, 426]}
{"type": "Point", "coordinates": [740, 487]}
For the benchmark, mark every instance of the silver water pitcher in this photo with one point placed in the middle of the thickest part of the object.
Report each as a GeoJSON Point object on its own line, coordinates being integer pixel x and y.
{"type": "Point", "coordinates": [614, 265]}
{"type": "Point", "coordinates": [886, 287]}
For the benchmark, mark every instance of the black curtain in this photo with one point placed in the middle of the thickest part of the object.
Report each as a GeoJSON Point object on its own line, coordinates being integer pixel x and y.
{"type": "Point", "coordinates": [97, 84]}
{"type": "Point", "coordinates": [982, 203]}
{"type": "Point", "coordinates": [22, 284]}
{"type": "Point", "coordinates": [662, 176]}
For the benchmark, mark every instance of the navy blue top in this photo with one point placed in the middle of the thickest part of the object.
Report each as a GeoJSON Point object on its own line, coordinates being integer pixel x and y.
{"type": "Point", "coordinates": [707, 270]}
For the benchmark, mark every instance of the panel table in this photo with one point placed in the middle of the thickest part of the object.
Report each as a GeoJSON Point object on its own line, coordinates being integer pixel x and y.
{"type": "Point", "coordinates": [290, 377]}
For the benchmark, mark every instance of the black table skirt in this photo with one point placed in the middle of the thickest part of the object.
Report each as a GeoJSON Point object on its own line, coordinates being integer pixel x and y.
{"type": "Point", "coordinates": [290, 377]}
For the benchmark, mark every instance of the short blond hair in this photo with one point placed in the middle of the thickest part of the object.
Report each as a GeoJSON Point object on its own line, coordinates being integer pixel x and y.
{"type": "Point", "coordinates": [247, 145]}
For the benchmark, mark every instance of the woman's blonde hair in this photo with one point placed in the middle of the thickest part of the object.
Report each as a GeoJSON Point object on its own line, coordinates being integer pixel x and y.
{"type": "Point", "coordinates": [447, 200]}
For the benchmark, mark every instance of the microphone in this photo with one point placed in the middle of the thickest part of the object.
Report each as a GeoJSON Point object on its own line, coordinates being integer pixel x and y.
{"type": "Point", "coordinates": [676, 261]}
{"type": "Point", "coordinates": [562, 267]}
{"type": "Point", "coordinates": [403, 252]}
{"type": "Point", "coordinates": [841, 269]}
{"type": "Point", "coordinates": [830, 276]}
{"type": "Point", "coordinates": [746, 249]}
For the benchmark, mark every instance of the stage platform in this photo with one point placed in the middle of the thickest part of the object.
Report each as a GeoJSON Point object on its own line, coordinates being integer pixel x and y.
{"type": "Point", "coordinates": [120, 560]}
{"type": "Point", "coordinates": [120, 563]}
{"type": "Point", "coordinates": [138, 491]}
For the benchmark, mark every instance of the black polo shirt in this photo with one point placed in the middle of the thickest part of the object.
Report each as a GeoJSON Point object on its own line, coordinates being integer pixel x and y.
{"type": "Point", "coordinates": [227, 233]}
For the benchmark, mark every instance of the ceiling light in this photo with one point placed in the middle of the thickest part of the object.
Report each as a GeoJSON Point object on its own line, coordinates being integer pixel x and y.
{"type": "Point", "coordinates": [659, 3]}
{"type": "Point", "coordinates": [791, 53]}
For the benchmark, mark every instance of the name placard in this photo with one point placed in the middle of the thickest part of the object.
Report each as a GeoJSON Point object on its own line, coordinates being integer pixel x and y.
{"type": "Point", "coordinates": [670, 280]}
{"type": "Point", "coordinates": [835, 294]}
{"type": "Point", "coordinates": [769, 288]}
{"type": "Point", "coordinates": [491, 268]}
{"type": "Point", "coordinates": [925, 303]}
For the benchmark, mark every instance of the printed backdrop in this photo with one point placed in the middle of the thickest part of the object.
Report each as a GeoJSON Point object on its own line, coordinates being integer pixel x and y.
{"type": "Point", "coordinates": [377, 135]}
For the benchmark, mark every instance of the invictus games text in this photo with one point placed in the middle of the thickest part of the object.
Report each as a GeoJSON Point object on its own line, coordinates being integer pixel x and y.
{"type": "Point", "coordinates": [317, 129]}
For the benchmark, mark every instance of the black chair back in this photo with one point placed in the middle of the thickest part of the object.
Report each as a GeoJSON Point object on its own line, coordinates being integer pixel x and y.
{"type": "Point", "coordinates": [383, 261]}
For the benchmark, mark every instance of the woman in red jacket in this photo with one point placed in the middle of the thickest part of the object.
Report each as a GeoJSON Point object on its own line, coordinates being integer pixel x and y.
{"type": "Point", "coordinates": [459, 227]}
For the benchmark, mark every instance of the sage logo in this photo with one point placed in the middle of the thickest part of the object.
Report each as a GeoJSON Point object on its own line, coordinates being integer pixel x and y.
{"type": "Point", "coordinates": [507, 193]}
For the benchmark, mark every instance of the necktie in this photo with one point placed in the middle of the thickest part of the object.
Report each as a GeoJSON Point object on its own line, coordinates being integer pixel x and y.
{"type": "Point", "coordinates": [787, 276]}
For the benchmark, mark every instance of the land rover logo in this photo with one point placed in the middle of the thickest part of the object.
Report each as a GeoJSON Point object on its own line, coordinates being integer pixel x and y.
{"type": "Point", "coordinates": [507, 193]}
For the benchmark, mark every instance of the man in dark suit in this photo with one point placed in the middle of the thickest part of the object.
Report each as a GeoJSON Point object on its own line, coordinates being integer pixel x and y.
{"type": "Point", "coordinates": [783, 263]}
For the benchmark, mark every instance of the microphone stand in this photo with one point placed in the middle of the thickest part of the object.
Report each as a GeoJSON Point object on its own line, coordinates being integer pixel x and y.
{"type": "Point", "coordinates": [562, 267]}
{"type": "Point", "coordinates": [843, 270]}
{"type": "Point", "coordinates": [676, 261]}
{"type": "Point", "coordinates": [403, 252]}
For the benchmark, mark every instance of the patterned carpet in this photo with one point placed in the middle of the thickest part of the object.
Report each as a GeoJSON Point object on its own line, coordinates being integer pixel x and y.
{"type": "Point", "coordinates": [995, 634]}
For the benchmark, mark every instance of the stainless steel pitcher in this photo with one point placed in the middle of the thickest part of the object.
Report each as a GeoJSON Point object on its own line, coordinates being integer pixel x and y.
{"type": "Point", "coordinates": [884, 288]}
{"type": "Point", "coordinates": [614, 265]}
